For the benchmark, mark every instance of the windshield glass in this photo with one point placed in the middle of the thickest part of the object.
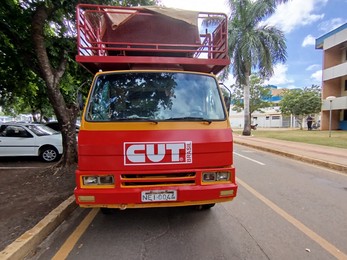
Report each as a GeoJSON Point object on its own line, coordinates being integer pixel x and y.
{"type": "Point", "coordinates": [155, 96]}
{"type": "Point", "coordinates": [41, 130]}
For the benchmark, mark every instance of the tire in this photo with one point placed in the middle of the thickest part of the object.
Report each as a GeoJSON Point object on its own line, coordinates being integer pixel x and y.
{"type": "Point", "coordinates": [107, 211]}
{"type": "Point", "coordinates": [204, 207]}
{"type": "Point", "coordinates": [49, 154]}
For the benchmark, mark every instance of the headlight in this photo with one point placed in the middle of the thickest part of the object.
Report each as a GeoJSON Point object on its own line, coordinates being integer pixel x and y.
{"type": "Point", "coordinates": [215, 176]}
{"type": "Point", "coordinates": [98, 180]}
{"type": "Point", "coordinates": [90, 180]}
{"type": "Point", "coordinates": [222, 176]}
{"type": "Point", "coordinates": [208, 176]}
{"type": "Point", "coordinates": [106, 179]}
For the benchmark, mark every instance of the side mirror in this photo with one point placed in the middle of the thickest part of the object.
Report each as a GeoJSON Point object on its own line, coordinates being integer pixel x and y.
{"type": "Point", "coordinates": [80, 100]}
{"type": "Point", "coordinates": [80, 96]}
{"type": "Point", "coordinates": [226, 96]}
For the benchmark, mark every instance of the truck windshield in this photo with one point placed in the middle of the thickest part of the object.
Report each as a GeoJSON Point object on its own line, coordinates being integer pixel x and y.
{"type": "Point", "coordinates": [158, 96]}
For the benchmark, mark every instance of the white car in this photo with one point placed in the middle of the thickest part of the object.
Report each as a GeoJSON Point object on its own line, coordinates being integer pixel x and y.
{"type": "Point", "coordinates": [19, 139]}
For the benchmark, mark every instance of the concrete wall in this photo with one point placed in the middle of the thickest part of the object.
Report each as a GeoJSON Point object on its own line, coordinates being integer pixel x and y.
{"type": "Point", "coordinates": [334, 78]}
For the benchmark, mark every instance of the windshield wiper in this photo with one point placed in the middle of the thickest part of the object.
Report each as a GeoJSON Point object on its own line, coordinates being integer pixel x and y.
{"type": "Point", "coordinates": [140, 119]}
{"type": "Point", "coordinates": [189, 118]}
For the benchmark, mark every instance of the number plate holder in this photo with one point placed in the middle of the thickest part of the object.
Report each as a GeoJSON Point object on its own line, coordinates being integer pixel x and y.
{"type": "Point", "coordinates": [158, 195]}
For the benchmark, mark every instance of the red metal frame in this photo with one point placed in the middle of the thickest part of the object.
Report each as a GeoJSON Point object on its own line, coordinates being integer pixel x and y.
{"type": "Point", "coordinates": [95, 53]}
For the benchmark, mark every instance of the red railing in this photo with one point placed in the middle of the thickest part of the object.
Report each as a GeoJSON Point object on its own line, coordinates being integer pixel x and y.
{"type": "Point", "coordinates": [149, 38]}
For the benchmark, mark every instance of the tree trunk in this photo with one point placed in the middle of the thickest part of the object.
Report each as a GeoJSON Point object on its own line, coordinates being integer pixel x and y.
{"type": "Point", "coordinates": [300, 122]}
{"type": "Point", "coordinates": [247, 119]}
{"type": "Point", "coordinates": [66, 115]}
{"type": "Point", "coordinates": [69, 137]}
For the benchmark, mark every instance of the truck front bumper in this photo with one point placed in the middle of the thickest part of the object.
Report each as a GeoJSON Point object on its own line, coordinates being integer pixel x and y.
{"type": "Point", "coordinates": [132, 197]}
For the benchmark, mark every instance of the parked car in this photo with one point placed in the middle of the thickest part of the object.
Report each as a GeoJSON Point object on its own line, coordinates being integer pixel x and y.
{"type": "Point", "coordinates": [55, 125]}
{"type": "Point", "coordinates": [20, 139]}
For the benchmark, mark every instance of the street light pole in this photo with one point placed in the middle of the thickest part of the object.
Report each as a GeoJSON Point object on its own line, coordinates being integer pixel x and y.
{"type": "Point", "coordinates": [330, 117]}
{"type": "Point", "coordinates": [330, 98]}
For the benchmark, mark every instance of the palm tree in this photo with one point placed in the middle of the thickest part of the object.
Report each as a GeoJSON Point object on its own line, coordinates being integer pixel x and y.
{"type": "Point", "coordinates": [253, 45]}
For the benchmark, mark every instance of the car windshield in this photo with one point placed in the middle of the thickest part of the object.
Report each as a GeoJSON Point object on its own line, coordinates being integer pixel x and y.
{"type": "Point", "coordinates": [155, 96]}
{"type": "Point", "coordinates": [41, 130]}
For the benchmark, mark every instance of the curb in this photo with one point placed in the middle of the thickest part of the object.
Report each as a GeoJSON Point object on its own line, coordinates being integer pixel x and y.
{"type": "Point", "coordinates": [329, 165]}
{"type": "Point", "coordinates": [25, 244]}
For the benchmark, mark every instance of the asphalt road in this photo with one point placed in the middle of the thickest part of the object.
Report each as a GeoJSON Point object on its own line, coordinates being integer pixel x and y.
{"type": "Point", "coordinates": [285, 209]}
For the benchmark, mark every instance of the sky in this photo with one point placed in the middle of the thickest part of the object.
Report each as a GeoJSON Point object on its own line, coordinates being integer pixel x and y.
{"type": "Point", "coordinates": [302, 21]}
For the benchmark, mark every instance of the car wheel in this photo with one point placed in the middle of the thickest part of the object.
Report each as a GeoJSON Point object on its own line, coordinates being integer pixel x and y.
{"type": "Point", "coordinates": [49, 154]}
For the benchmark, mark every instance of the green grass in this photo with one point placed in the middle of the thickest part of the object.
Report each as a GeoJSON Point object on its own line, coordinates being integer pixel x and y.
{"type": "Point", "coordinates": [337, 139]}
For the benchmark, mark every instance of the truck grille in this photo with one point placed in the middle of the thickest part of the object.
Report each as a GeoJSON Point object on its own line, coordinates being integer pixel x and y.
{"type": "Point", "coordinates": [153, 179]}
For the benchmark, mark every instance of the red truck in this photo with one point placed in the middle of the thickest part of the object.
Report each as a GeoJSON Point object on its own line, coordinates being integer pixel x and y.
{"type": "Point", "coordinates": [155, 130]}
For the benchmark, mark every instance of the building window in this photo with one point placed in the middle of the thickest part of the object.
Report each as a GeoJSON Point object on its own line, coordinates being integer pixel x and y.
{"type": "Point", "coordinates": [346, 85]}
{"type": "Point", "coordinates": [276, 117]}
{"type": "Point", "coordinates": [344, 115]}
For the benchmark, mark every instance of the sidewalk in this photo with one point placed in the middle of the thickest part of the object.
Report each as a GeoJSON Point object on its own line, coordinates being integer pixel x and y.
{"type": "Point", "coordinates": [329, 157]}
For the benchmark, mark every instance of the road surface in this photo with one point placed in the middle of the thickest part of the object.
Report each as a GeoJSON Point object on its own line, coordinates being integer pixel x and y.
{"type": "Point", "coordinates": [285, 209]}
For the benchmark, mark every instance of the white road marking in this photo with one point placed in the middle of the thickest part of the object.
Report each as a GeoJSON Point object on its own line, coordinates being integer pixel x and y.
{"type": "Point", "coordinates": [249, 158]}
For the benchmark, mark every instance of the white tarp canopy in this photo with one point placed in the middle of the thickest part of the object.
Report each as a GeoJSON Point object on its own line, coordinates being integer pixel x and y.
{"type": "Point", "coordinates": [122, 15]}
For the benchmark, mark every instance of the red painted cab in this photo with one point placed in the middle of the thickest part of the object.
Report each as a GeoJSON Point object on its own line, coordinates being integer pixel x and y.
{"type": "Point", "coordinates": [155, 130]}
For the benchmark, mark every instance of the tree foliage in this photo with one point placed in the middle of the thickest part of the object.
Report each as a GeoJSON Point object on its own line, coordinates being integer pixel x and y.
{"type": "Point", "coordinates": [301, 102]}
{"type": "Point", "coordinates": [14, 70]}
{"type": "Point", "coordinates": [259, 96]}
{"type": "Point", "coordinates": [38, 47]}
{"type": "Point", "coordinates": [253, 45]}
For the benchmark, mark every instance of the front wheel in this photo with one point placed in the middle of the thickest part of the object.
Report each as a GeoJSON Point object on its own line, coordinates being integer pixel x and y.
{"type": "Point", "coordinates": [49, 154]}
{"type": "Point", "coordinates": [107, 211]}
{"type": "Point", "coordinates": [204, 207]}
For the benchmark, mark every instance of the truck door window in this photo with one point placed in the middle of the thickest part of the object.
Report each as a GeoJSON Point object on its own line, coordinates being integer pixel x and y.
{"type": "Point", "coordinates": [157, 96]}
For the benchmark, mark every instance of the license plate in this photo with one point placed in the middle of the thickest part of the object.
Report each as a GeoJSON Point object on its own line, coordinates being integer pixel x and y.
{"type": "Point", "coordinates": [158, 195]}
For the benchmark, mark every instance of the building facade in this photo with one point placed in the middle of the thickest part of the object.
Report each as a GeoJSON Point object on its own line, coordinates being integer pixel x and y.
{"type": "Point", "coordinates": [270, 117]}
{"type": "Point", "coordinates": [334, 78]}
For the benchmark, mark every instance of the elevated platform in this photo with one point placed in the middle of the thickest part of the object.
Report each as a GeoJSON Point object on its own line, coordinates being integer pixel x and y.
{"type": "Point", "coordinates": [121, 38]}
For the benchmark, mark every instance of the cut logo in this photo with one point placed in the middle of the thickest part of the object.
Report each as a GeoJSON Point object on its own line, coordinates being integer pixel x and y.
{"type": "Point", "coordinates": [140, 153]}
